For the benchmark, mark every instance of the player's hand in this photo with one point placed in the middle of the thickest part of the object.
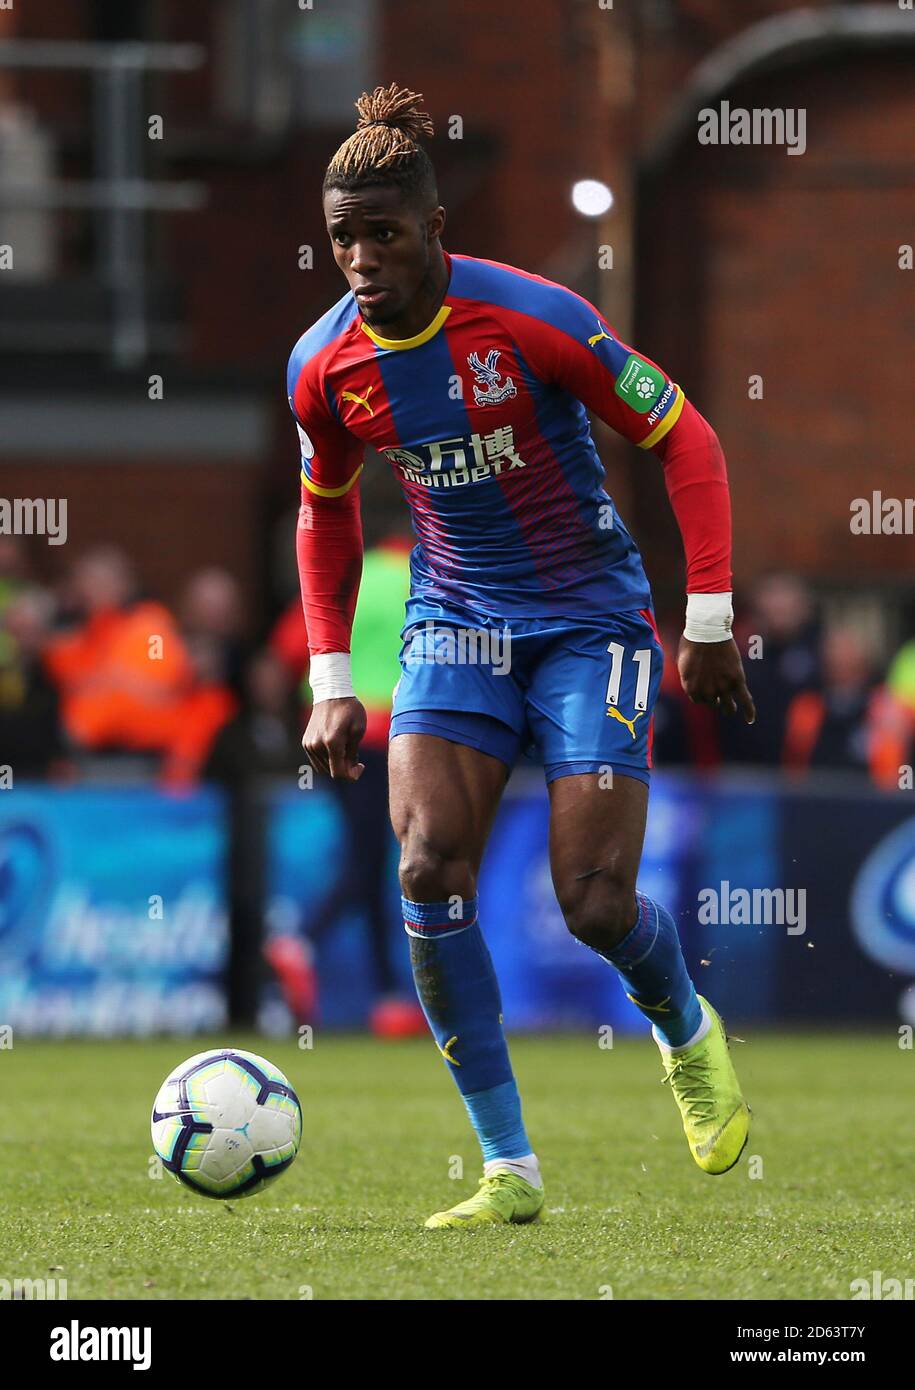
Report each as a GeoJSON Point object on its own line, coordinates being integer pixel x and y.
{"type": "Point", "coordinates": [711, 673]}
{"type": "Point", "coordinates": [335, 731]}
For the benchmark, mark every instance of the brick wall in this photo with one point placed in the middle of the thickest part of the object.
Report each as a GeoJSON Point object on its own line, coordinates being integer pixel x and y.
{"type": "Point", "coordinates": [746, 261]}
{"type": "Point", "coordinates": [172, 516]}
{"type": "Point", "coordinates": [754, 262]}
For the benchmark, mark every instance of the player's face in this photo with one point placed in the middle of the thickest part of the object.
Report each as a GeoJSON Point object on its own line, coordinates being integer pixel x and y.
{"type": "Point", "coordinates": [383, 245]}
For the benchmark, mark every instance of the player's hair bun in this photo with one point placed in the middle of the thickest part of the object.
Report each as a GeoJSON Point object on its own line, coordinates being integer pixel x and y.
{"type": "Point", "coordinates": [395, 107]}
{"type": "Point", "coordinates": [386, 144]}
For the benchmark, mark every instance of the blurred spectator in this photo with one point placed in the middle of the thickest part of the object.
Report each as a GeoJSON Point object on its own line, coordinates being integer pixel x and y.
{"type": "Point", "coordinates": [211, 609]}
{"type": "Point", "coordinates": [203, 709]}
{"type": "Point", "coordinates": [14, 568]}
{"type": "Point", "coordinates": [122, 667]}
{"type": "Point", "coordinates": [830, 726]}
{"type": "Point", "coordinates": [31, 740]}
{"type": "Point", "coordinates": [265, 736]}
{"type": "Point", "coordinates": [893, 720]}
{"type": "Point", "coordinates": [780, 645]}
{"type": "Point", "coordinates": [13, 580]}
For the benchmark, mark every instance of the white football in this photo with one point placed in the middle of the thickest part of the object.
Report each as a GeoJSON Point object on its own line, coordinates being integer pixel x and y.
{"type": "Point", "coordinates": [226, 1123]}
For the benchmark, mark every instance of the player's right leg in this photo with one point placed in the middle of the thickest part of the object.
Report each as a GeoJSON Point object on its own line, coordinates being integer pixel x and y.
{"type": "Point", "coordinates": [444, 795]}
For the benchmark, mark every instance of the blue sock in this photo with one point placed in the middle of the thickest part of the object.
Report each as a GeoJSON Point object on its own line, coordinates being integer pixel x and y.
{"type": "Point", "coordinates": [652, 968]}
{"type": "Point", "coordinates": [459, 993]}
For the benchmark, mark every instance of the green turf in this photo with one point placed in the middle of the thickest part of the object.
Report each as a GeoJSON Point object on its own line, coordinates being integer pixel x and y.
{"type": "Point", "coordinates": [628, 1208]}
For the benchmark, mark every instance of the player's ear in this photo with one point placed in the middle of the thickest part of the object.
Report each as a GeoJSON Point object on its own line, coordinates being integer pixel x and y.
{"type": "Point", "coordinates": [435, 223]}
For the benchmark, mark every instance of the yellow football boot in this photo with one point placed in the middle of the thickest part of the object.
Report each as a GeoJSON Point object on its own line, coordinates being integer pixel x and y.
{"type": "Point", "coordinates": [716, 1118]}
{"type": "Point", "coordinates": [503, 1197]}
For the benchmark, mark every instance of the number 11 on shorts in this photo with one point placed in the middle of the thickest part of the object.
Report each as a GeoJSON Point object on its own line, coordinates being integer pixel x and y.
{"type": "Point", "coordinates": [642, 658]}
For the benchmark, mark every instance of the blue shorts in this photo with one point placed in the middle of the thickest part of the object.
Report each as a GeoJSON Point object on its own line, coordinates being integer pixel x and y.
{"type": "Point", "coordinates": [576, 696]}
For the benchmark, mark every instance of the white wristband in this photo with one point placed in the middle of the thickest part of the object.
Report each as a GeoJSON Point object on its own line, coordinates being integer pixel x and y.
{"type": "Point", "coordinates": [708, 617]}
{"type": "Point", "coordinates": [330, 676]}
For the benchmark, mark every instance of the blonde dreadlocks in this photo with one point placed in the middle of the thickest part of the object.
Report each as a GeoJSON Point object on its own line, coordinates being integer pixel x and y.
{"type": "Point", "coordinates": [384, 147]}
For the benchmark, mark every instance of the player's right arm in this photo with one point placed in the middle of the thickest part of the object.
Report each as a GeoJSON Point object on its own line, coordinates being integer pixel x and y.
{"type": "Point", "coordinates": [329, 557]}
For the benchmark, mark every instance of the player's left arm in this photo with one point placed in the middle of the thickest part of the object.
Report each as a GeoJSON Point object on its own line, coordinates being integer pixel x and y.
{"type": "Point", "coordinates": [636, 397]}
{"type": "Point", "coordinates": [695, 474]}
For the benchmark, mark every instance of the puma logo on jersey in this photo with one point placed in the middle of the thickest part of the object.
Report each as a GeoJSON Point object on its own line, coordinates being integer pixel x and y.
{"type": "Point", "coordinates": [613, 713]}
{"type": "Point", "coordinates": [359, 400]}
{"type": "Point", "coordinates": [596, 337]}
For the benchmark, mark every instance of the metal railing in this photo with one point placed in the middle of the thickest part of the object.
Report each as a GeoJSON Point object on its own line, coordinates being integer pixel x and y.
{"type": "Point", "coordinates": [118, 193]}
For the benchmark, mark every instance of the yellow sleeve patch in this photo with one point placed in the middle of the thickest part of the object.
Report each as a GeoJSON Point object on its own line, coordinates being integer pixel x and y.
{"type": "Point", "coordinates": [330, 491]}
{"type": "Point", "coordinates": [661, 428]}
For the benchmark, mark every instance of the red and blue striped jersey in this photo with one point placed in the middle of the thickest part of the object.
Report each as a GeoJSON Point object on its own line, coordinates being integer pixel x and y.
{"type": "Point", "coordinates": [483, 417]}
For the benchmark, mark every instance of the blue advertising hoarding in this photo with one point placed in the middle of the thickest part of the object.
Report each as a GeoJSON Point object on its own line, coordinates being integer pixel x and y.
{"type": "Point", "coordinates": [308, 857]}
{"type": "Point", "coordinates": [844, 853]}
{"type": "Point", "coordinates": [548, 980]}
{"type": "Point", "coordinates": [112, 911]}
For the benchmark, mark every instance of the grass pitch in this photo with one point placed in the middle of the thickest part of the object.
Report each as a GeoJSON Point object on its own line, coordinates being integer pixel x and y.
{"type": "Point", "coordinates": [629, 1210]}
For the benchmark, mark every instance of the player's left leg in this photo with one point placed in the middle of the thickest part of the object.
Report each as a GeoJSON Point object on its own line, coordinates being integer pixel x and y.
{"type": "Point", "coordinates": [589, 709]}
{"type": "Point", "coordinates": [595, 845]}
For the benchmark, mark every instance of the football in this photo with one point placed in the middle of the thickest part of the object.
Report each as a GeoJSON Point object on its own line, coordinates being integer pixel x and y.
{"type": "Point", "coordinates": [226, 1123]}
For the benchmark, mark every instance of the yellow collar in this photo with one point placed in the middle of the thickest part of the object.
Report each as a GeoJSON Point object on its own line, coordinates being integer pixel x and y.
{"type": "Point", "coordinates": [399, 344]}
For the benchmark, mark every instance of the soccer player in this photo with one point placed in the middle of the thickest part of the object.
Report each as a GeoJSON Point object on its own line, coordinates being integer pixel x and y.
{"type": "Point", "coordinates": [473, 379]}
